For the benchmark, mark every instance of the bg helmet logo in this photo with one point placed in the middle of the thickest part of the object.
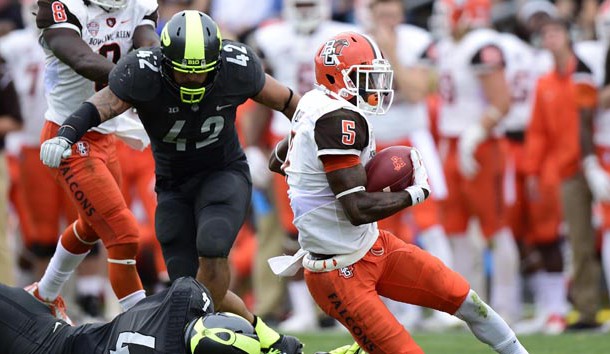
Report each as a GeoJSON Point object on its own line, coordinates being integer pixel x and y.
{"type": "Point", "coordinates": [332, 49]}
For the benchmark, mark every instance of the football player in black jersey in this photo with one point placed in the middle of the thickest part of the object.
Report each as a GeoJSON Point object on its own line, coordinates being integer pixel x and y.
{"type": "Point", "coordinates": [177, 320]}
{"type": "Point", "coordinates": [186, 93]}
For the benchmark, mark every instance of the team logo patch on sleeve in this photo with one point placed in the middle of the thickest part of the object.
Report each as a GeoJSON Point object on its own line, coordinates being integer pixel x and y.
{"type": "Point", "coordinates": [83, 148]}
{"type": "Point", "coordinates": [332, 49]}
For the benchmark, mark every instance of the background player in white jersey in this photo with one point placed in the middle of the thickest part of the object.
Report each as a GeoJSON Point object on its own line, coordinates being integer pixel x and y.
{"type": "Point", "coordinates": [408, 49]}
{"type": "Point", "coordinates": [83, 40]}
{"type": "Point", "coordinates": [533, 203]}
{"type": "Point", "coordinates": [601, 137]}
{"type": "Point", "coordinates": [349, 261]}
{"type": "Point", "coordinates": [287, 47]}
{"type": "Point", "coordinates": [40, 203]}
{"type": "Point", "coordinates": [474, 98]}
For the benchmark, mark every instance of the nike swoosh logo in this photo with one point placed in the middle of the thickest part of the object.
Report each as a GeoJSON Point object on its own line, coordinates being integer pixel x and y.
{"type": "Point", "coordinates": [220, 108]}
{"type": "Point", "coordinates": [57, 324]}
{"type": "Point", "coordinates": [125, 21]}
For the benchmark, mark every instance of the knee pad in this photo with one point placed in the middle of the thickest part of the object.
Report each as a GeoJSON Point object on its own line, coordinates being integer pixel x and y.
{"type": "Point", "coordinates": [215, 237]}
{"type": "Point", "coordinates": [119, 228]}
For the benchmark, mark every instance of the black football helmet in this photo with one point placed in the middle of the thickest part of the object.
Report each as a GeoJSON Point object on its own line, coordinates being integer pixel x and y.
{"type": "Point", "coordinates": [221, 333]}
{"type": "Point", "coordinates": [191, 43]}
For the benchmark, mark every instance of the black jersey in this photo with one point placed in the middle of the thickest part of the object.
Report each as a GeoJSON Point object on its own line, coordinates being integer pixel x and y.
{"type": "Point", "coordinates": [189, 139]}
{"type": "Point", "coordinates": [153, 326]}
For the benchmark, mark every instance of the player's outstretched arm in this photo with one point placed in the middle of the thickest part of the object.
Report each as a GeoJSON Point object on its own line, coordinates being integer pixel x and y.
{"type": "Point", "coordinates": [278, 97]}
{"type": "Point", "coordinates": [67, 45]}
{"type": "Point", "coordinates": [108, 104]}
{"type": "Point", "coordinates": [360, 206]}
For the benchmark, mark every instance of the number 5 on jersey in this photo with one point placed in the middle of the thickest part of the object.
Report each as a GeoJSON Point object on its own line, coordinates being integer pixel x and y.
{"type": "Point", "coordinates": [348, 132]}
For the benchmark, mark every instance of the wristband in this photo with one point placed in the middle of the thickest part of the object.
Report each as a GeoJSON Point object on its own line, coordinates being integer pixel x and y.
{"type": "Point", "coordinates": [417, 194]}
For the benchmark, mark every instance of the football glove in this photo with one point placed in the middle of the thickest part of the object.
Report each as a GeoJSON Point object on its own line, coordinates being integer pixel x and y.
{"type": "Point", "coordinates": [420, 190]}
{"type": "Point", "coordinates": [468, 142]}
{"type": "Point", "coordinates": [55, 149]}
{"type": "Point", "coordinates": [597, 179]}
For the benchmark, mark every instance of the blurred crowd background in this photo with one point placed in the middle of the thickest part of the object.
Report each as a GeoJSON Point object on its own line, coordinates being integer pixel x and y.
{"type": "Point", "coordinates": [26, 248]}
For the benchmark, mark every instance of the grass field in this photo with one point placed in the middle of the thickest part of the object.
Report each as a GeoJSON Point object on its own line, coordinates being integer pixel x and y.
{"type": "Point", "coordinates": [462, 342]}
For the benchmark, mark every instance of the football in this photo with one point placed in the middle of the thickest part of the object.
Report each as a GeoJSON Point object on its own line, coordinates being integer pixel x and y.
{"type": "Point", "coordinates": [390, 169]}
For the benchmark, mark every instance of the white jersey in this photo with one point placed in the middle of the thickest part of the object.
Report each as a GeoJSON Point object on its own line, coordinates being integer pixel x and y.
{"type": "Point", "coordinates": [318, 215]}
{"type": "Point", "coordinates": [25, 63]}
{"type": "Point", "coordinates": [413, 44]}
{"type": "Point", "coordinates": [593, 54]}
{"type": "Point", "coordinates": [459, 64]}
{"type": "Point", "coordinates": [291, 58]}
{"type": "Point", "coordinates": [521, 74]}
{"type": "Point", "coordinates": [108, 33]}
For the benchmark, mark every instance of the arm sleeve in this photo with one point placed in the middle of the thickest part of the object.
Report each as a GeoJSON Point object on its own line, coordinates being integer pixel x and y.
{"type": "Point", "coordinates": [535, 138]}
{"type": "Point", "coordinates": [341, 132]}
{"type": "Point", "coordinates": [134, 82]}
{"type": "Point", "coordinates": [55, 14]}
{"type": "Point", "coordinates": [488, 58]}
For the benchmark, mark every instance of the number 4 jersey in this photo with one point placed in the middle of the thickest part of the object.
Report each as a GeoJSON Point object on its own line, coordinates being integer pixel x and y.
{"type": "Point", "coordinates": [108, 33]}
{"type": "Point", "coordinates": [189, 139]}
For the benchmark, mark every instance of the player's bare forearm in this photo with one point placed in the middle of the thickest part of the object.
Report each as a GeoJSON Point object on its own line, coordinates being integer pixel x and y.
{"type": "Point", "coordinates": [108, 104]}
{"type": "Point", "coordinates": [498, 95]}
{"type": "Point", "coordinates": [278, 97]}
{"type": "Point", "coordinates": [145, 36]}
{"type": "Point", "coordinates": [363, 207]}
{"type": "Point", "coordinates": [278, 156]}
{"type": "Point", "coordinates": [68, 46]}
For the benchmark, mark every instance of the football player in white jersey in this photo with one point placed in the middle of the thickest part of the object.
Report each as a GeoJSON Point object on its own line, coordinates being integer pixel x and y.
{"type": "Point", "coordinates": [348, 261]}
{"type": "Point", "coordinates": [533, 204]}
{"type": "Point", "coordinates": [474, 98]}
{"type": "Point", "coordinates": [43, 202]}
{"type": "Point", "coordinates": [287, 47]}
{"type": "Point", "coordinates": [409, 49]}
{"type": "Point", "coordinates": [83, 40]}
{"type": "Point", "coordinates": [601, 135]}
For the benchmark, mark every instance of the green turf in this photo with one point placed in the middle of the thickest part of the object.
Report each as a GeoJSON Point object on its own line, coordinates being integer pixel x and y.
{"type": "Point", "coordinates": [465, 343]}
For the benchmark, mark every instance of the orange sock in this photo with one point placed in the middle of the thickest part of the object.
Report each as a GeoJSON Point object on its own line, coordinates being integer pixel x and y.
{"type": "Point", "coordinates": [122, 271]}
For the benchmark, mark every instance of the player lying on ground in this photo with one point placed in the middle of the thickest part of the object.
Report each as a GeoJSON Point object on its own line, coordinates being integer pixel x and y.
{"type": "Point", "coordinates": [177, 320]}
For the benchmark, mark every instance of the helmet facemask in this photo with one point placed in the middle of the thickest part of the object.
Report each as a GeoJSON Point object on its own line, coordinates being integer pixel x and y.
{"type": "Point", "coordinates": [190, 44]}
{"type": "Point", "coordinates": [109, 5]}
{"type": "Point", "coordinates": [371, 85]}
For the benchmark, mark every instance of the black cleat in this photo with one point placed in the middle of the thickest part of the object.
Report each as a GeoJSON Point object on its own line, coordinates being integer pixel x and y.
{"type": "Point", "coordinates": [286, 345]}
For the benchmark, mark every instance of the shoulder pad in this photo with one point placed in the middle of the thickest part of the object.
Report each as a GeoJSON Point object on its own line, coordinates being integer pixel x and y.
{"type": "Point", "coordinates": [137, 77]}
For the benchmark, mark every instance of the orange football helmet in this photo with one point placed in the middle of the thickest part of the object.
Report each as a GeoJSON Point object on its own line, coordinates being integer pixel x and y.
{"type": "Point", "coordinates": [350, 66]}
{"type": "Point", "coordinates": [449, 15]}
